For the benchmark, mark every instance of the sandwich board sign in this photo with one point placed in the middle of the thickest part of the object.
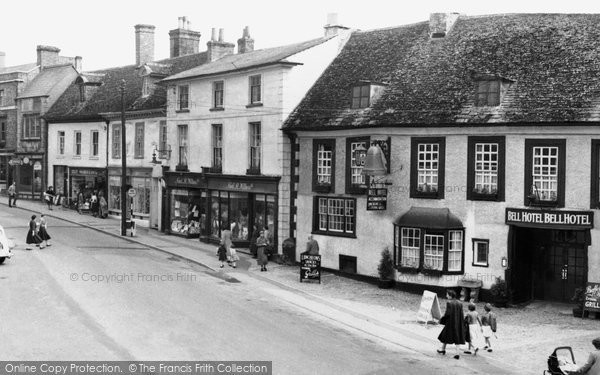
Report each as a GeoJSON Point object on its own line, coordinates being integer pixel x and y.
{"type": "Point", "coordinates": [429, 308]}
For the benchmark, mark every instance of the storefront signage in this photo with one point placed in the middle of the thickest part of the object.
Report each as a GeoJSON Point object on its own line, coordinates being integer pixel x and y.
{"type": "Point", "coordinates": [187, 181]}
{"type": "Point", "coordinates": [246, 185]}
{"type": "Point", "coordinates": [86, 172]}
{"type": "Point", "coordinates": [37, 166]}
{"type": "Point", "coordinates": [592, 297]}
{"type": "Point", "coordinates": [550, 219]}
{"type": "Point", "coordinates": [15, 161]}
{"type": "Point", "coordinates": [376, 199]}
{"type": "Point", "coordinates": [429, 308]}
{"type": "Point", "coordinates": [240, 186]}
{"type": "Point", "coordinates": [310, 267]}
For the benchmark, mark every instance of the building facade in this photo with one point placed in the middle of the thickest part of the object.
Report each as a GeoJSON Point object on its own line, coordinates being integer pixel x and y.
{"type": "Point", "coordinates": [490, 150]}
{"type": "Point", "coordinates": [230, 154]}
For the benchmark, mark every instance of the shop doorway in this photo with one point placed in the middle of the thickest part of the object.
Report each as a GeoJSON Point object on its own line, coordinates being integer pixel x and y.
{"type": "Point", "coordinates": [548, 264]}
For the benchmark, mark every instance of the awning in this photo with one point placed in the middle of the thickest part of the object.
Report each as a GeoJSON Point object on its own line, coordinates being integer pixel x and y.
{"type": "Point", "coordinates": [430, 218]}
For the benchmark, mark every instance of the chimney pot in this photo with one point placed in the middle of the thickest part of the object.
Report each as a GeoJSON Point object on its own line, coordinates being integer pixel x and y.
{"type": "Point", "coordinates": [78, 65]}
{"type": "Point", "coordinates": [221, 35]}
{"type": "Point", "coordinates": [213, 36]}
{"type": "Point", "coordinates": [2, 61]}
{"type": "Point", "coordinates": [245, 43]}
{"type": "Point", "coordinates": [333, 26]}
{"type": "Point", "coordinates": [184, 41]}
{"type": "Point", "coordinates": [180, 22]}
{"type": "Point", "coordinates": [332, 19]}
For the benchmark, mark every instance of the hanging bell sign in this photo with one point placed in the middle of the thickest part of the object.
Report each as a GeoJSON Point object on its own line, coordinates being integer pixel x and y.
{"type": "Point", "coordinates": [376, 162]}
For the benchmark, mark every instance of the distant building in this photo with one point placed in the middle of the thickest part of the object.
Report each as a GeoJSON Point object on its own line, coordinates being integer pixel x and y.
{"type": "Point", "coordinates": [490, 130]}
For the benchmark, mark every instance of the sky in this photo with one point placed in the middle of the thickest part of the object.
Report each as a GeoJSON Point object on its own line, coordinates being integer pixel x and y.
{"type": "Point", "coordinates": [102, 32]}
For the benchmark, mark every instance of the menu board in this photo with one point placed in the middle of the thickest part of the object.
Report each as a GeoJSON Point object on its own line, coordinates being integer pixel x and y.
{"type": "Point", "coordinates": [376, 199]}
{"type": "Point", "coordinates": [592, 297]}
{"type": "Point", "coordinates": [310, 267]}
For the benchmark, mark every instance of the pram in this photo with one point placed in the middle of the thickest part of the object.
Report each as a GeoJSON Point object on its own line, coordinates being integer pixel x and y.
{"type": "Point", "coordinates": [561, 361]}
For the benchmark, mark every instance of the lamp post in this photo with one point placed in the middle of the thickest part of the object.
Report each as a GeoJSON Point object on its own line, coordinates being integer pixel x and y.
{"type": "Point", "coordinates": [123, 165]}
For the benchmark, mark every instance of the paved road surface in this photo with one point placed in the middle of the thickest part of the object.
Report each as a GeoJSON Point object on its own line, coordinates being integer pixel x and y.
{"type": "Point", "coordinates": [91, 296]}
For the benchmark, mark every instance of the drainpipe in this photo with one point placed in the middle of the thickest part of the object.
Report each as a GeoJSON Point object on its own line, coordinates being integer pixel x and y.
{"type": "Point", "coordinates": [107, 129]}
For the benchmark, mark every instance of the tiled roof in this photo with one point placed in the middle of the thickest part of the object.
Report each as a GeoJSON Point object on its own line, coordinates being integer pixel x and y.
{"type": "Point", "coordinates": [553, 60]}
{"type": "Point", "coordinates": [18, 68]}
{"type": "Point", "coordinates": [106, 98]}
{"type": "Point", "coordinates": [48, 79]}
{"type": "Point", "coordinates": [247, 60]}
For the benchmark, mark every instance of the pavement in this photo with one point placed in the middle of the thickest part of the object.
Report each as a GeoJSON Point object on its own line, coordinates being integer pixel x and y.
{"type": "Point", "coordinates": [527, 334]}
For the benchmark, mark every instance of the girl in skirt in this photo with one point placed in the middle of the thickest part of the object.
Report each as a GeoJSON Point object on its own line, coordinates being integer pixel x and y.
{"type": "Point", "coordinates": [43, 230]}
{"type": "Point", "coordinates": [475, 330]}
{"type": "Point", "coordinates": [32, 236]}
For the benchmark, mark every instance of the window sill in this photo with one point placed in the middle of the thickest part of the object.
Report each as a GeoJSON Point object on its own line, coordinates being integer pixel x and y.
{"type": "Point", "coordinates": [548, 204]}
{"type": "Point", "coordinates": [185, 110]}
{"type": "Point", "coordinates": [254, 105]}
{"type": "Point", "coordinates": [94, 158]}
{"type": "Point", "coordinates": [216, 109]}
{"type": "Point", "coordinates": [421, 195]}
{"type": "Point", "coordinates": [334, 234]}
{"type": "Point", "coordinates": [31, 139]}
{"type": "Point", "coordinates": [429, 272]}
{"type": "Point", "coordinates": [253, 171]}
{"type": "Point", "coordinates": [76, 157]}
{"type": "Point", "coordinates": [409, 270]}
{"type": "Point", "coordinates": [181, 168]}
{"type": "Point", "coordinates": [480, 264]}
{"type": "Point", "coordinates": [484, 197]}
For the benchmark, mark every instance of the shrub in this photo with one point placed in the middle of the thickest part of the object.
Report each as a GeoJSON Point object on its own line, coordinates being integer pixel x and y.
{"type": "Point", "coordinates": [386, 265]}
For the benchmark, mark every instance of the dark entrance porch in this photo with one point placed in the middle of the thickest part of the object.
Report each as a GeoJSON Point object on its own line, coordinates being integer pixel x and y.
{"type": "Point", "coordinates": [547, 264]}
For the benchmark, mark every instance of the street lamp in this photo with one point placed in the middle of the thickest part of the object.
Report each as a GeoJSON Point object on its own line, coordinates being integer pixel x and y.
{"type": "Point", "coordinates": [123, 165]}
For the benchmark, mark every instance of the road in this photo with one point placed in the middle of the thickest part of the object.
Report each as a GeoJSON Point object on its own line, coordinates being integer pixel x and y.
{"type": "Point", "coordinates": [92, 296]}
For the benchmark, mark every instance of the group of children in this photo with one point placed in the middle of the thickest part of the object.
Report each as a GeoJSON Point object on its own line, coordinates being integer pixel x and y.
{"type": "Point", "coordinates": [481, 328]}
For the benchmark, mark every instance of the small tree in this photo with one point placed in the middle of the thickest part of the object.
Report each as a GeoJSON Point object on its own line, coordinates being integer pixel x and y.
{"type": "Point", "coordinates": [386, 265]}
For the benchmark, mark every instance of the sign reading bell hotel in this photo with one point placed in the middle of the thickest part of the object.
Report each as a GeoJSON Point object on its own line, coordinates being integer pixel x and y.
{"type": "Point", "coordinates": [550, 219]}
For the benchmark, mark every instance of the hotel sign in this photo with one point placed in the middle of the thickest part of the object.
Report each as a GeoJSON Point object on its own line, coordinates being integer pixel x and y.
{"type": "Point", "coordinates": [550, 219]}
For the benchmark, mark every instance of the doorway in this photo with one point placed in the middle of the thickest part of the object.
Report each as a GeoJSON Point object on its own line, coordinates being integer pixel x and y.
{"type": "Point", "coordinates": [548, 264]}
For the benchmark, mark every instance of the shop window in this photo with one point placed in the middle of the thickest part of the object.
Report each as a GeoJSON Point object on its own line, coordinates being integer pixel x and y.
{"type": "Point", "coordinates": [116, 141]}
{"type": "Point", "coordinates": [188, 212]}
{"type": "Point", "coordinates": [324, 165]}
{"type": "Point", "coordinates": [334, 216]}
{"type": "Point", "coordinates": [2, 133]}
{"type": "Point", "coordinates": [114, 193]}
{"type": "Point", "coordinates": [481, 250]}
{"type": "Point", "coordinates": [545, 172]}
{"type": "Point", "coordinates": [356, 181]}
{"type": "Point", "coordinates": [3, 169]}
{"type": "Point", "coordinates": [427, 168]}
{"type": "Point", "coordinates": [141, 201]}
{"type": "Point", "coordinates": [138, 148]}
{"type": "Point", "coordinates": [429, 250]}
{"type": "Point", "coordinates": [485, 168]}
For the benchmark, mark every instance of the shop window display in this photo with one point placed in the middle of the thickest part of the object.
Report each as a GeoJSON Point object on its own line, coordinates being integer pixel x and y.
{"type": "Point", "coordinates": [188, 212]}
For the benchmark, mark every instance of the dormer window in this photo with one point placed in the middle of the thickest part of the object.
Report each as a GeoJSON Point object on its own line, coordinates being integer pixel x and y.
{"type": "Point", "coordinates": [365, 93]}
{"type": "Point", "coordinates": [490, 89]}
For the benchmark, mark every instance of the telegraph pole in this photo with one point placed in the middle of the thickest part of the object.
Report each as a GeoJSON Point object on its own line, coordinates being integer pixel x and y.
{"type": "Point", "coordinates": [123, 165]}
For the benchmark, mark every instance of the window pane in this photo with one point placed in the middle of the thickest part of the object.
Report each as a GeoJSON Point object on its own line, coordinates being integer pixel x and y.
{"type": "Point", "coordinates": [434, 252]}
{"type": "Point", "coordinates": [545, 172]}
{"type": "Point", "coordinates": [410, 247]}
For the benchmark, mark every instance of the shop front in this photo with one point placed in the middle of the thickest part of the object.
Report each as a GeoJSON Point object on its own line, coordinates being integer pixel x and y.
{"type": "Point", "coordinates": [69, 181]}
{"type": "Point", "coordinates": [547, 253]}
{"type": "Point", "coordinates": [203, 205]}
{"type": "Point", "coordinates": [29, 175]}
{"type": "Point", "coordinates": [140, 180]}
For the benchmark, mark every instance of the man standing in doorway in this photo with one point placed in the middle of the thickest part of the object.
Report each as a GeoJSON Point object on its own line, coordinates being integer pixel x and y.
{"type": "Point", "coordinates": [12, 195]}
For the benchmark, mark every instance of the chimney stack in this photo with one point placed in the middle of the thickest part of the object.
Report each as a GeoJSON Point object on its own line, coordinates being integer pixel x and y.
{"type": "Point", "coordinates": [144, 44]}
{"type": "Point", "coordinates": [77, 63]}
{"type": "Point", "coordinates": [2, 59]}
{"type": "Point", "coordinates": [245, 43]}
{"type": "Point", "coordinates": [218, 48]}
{"type": "Point", "coordinates": [333, 27]}
{"type": "Point", "coordinates": [183, 40]}
{"type": "Point", "coordinates": [441, 23]}
{"type": "Point", "coordinates": [47, 56]}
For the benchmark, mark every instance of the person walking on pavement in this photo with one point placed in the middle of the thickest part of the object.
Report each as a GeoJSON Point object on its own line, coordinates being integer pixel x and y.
{"type": "Point", "coordinates": [43, 230]}
{"type": "Point", "coordinates": [475, 330]}
{"type": "Point", "coordinates": [222, 254]}
{"type": "Point", "coordinates": [49, 196]}
{"type": "Point", "coordinates": [94, 204]}
{"type": "Point", "coordinates": [32, 236]}
{"type": "Point", "coordinates": [102, 207]}
{"type": "Point", "coordinates": [261, 245]}
{"type": "Point", "coordinates": [12, 195]}
{"type": "Point", "coordinates": [453, 321]}
{"type": "Point", "coordinates": [226, 241]}
{"type": "Point", "coordinates": [253, 238]}
{"type": "Point", "coordinates": [80, 201]}
{"type": "Point", "coordinates": [592, 366]}
{"type": "Point", "coordinates": [488, 324]}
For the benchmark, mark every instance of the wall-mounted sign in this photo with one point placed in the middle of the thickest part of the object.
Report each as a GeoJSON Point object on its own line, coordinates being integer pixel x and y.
{"type": "Point", "coordinates": [37, 166]}
{"type": "Point", "coordinates": [550, 219]}
{"type": "Point", "coordinates": [386, 147]}
{"type": "Point", "coordinates": [376, 199]}
{"type": "Point", "coordinates": [25, 160]}
{"type": "Point", "coordinates": [15, 161]}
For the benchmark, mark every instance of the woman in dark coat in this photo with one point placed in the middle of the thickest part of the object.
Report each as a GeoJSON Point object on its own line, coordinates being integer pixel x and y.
{"type": "Point", "coordinates": [261, 246]}
{"type": "Point", "coordinates": [454, 327]}
{"type": "Point", "coordinates": [32, 236]}
{"type": "Point", "coordinates": [43, 230]}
